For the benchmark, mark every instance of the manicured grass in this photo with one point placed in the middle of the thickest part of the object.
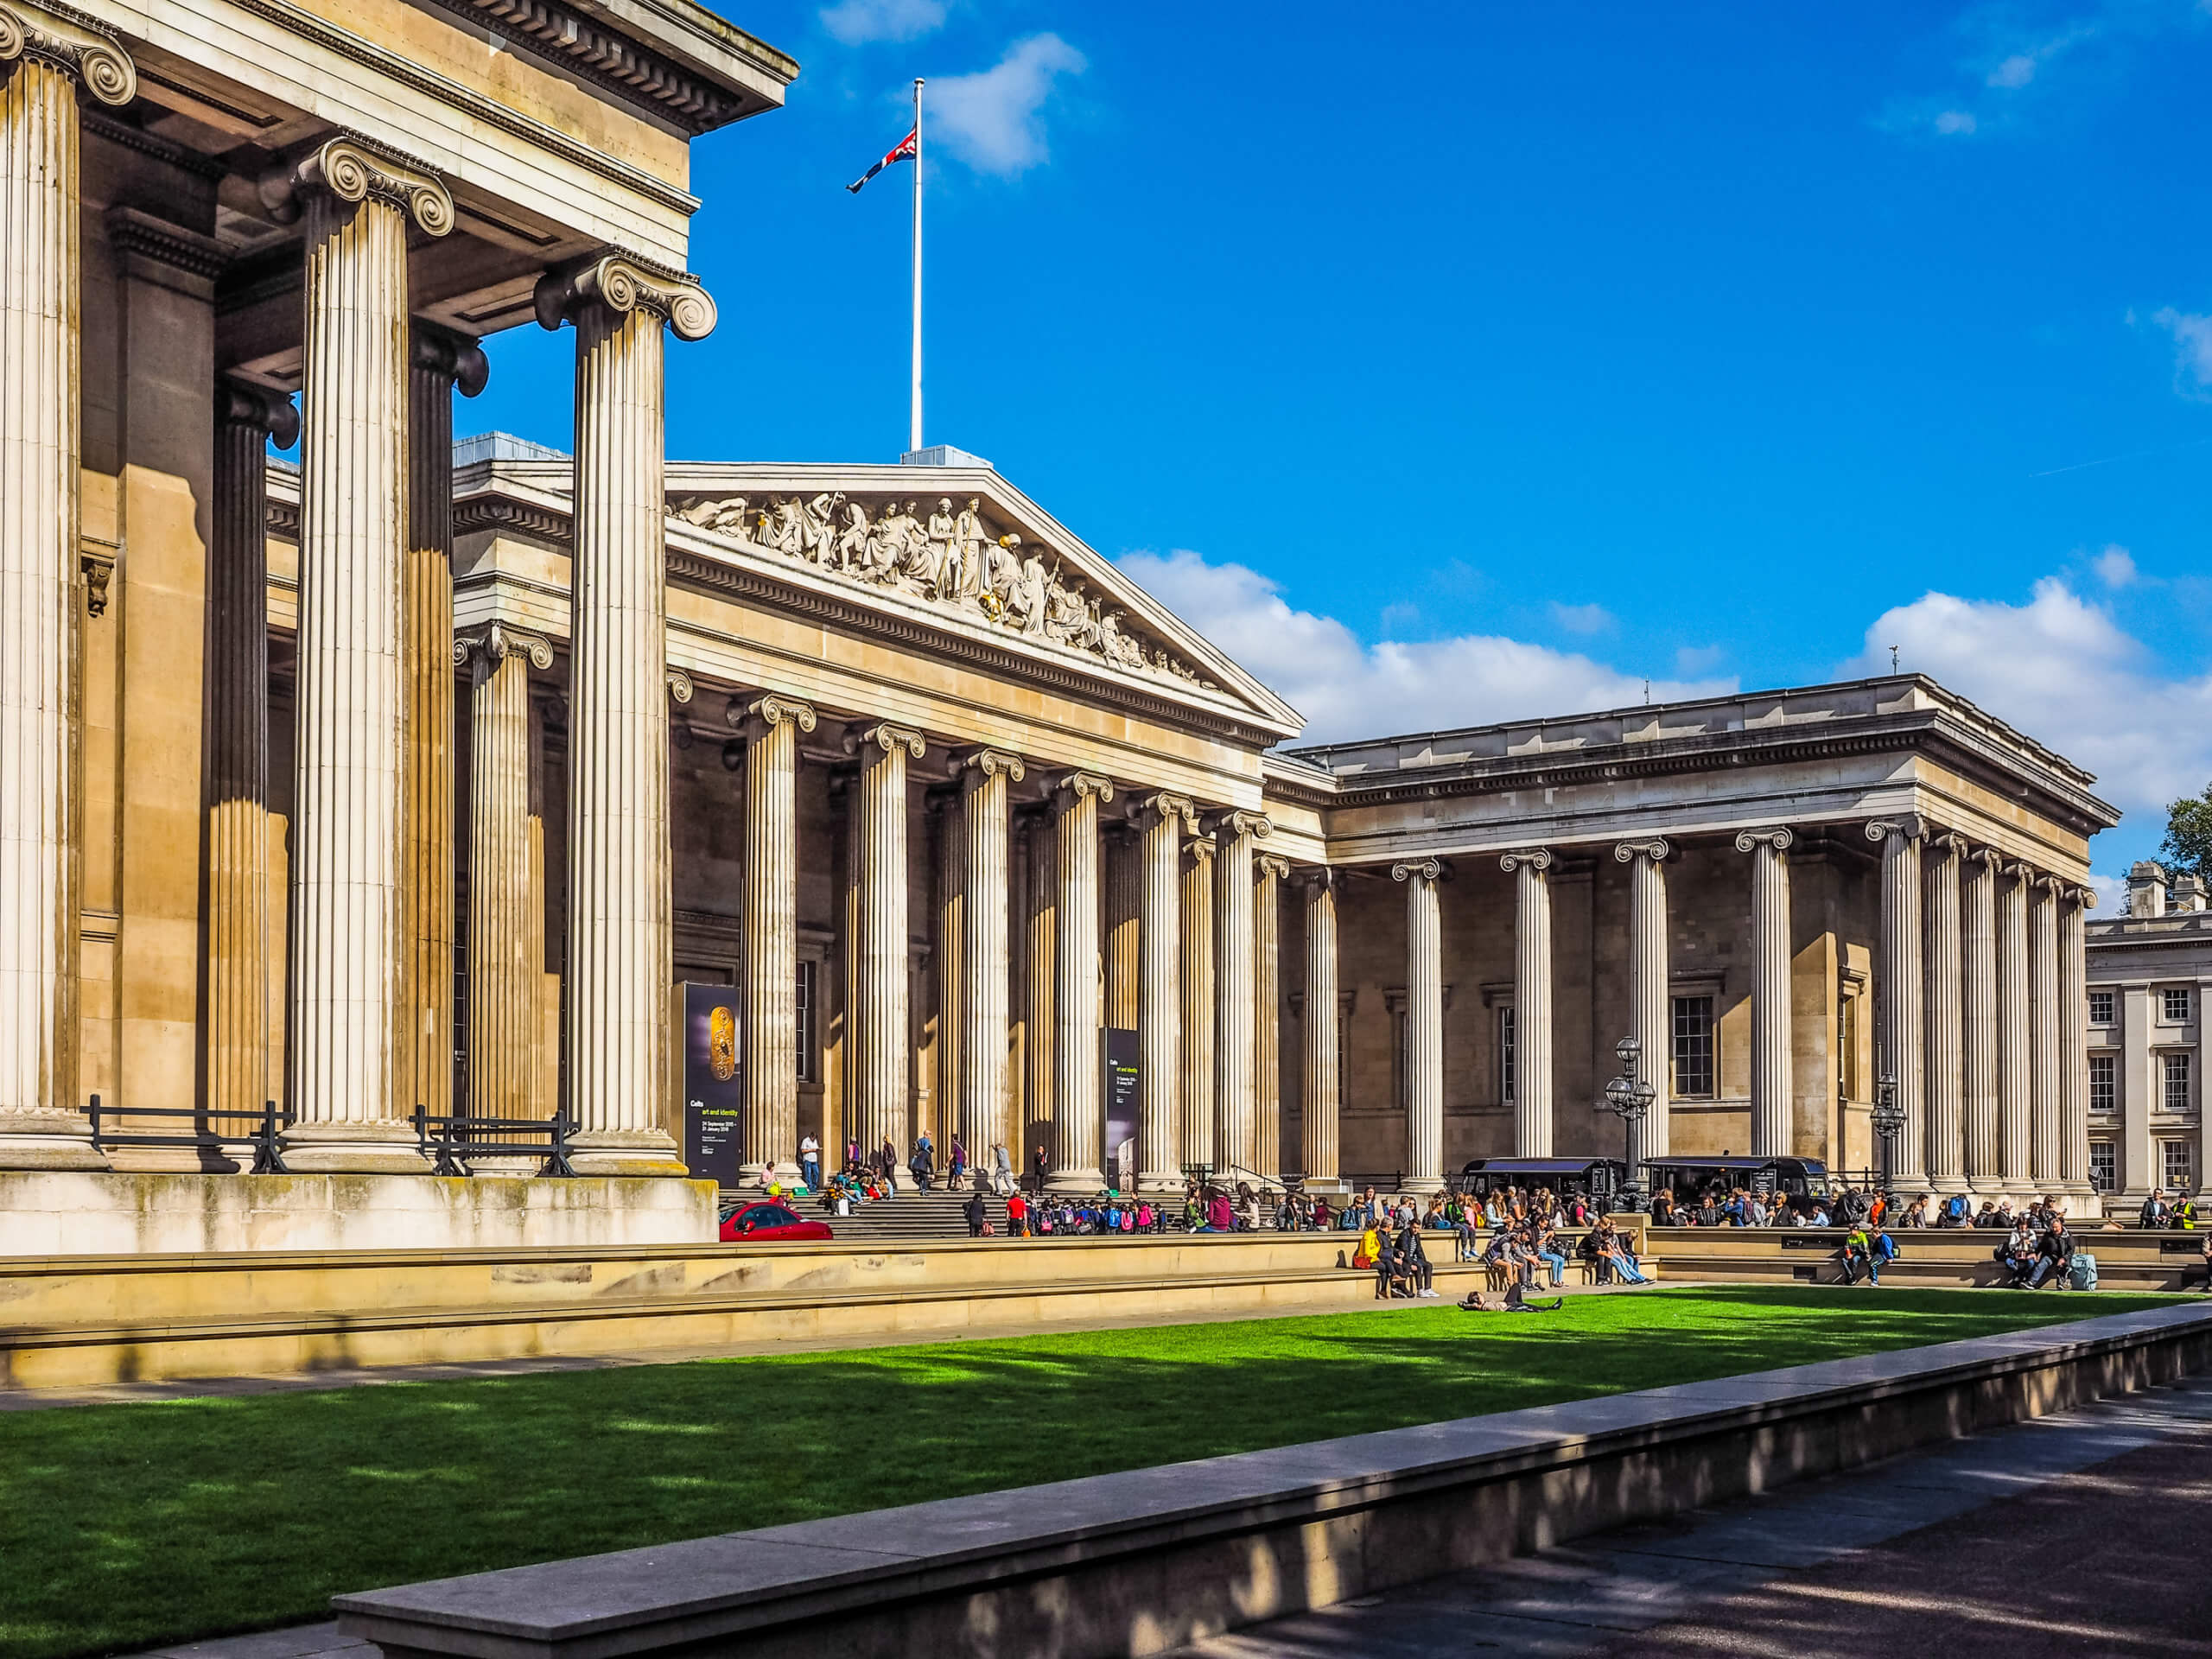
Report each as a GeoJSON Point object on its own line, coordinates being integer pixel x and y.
{"type": "Point", "coordinates": [124, 1526]}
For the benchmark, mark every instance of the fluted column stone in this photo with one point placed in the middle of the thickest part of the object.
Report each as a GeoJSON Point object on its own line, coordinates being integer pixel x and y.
{"type": "Point", "coordinates": [1235, 1054]}
{"type": "Point", "coordinates": [1320, 1105]}
{"type": "Point", "coordinates": [43, 61]}
{"type": "Point", "coordinates": [1898, 986]}
{"type": "Point", "coordinates": [1122, 943]}
{"type": "Point", "coordinates": [1532, 1002]}
{"type": "Point", "coordinates": [1197, 1083]}
{"type": "Point", "coordinates": [1267, 1010]}
{"type": "Point", "coordinates": [1040, 1017]}
{"type": "Point", "coordinates": [1650, 1006]}
{"type": "Point", "coordinates": [350, 1031]}
{"type": "Point", "coordinates": [1772, 1071]}
{"type": "Point", "coordinates": [879, 1000]}
{"type": "Point", "coordinates": [2046, 1065]}
{"type": "Point", "coordinates": [619, 927]}
{"type": "Point", "coordinates": [236, 1064]}
{"type": "Point", "coordinates": [1078, 1129]}
{"type": "Point", "coordinates": [1979, 1068]}
{"type": "Point", "coordinates": [949, 965]}
{"type": "Point", "coordinates": [1162, 820]}
{"type": "Point", "coordinates": [984, 959]}
{"type": "Point", "coordinates": [771, 727]}
{"type": "Point", "coordinates": [2074, 1042]}
{"type": "Point", "coordinates": [2016, 1147]}
{"type": "Point", "coordinates": [1424, 1023]}
{"type": "Point", "coordinates": [1943, 1001]}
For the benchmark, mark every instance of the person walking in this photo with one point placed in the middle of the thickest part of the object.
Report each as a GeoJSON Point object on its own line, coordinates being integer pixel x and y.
{"type": "Point", "coordinates": [977, 1213]}
{"type": "Point", "coordinates": [1017, 1214]}
{"type": "Point", "coordinates": [958, 1165]}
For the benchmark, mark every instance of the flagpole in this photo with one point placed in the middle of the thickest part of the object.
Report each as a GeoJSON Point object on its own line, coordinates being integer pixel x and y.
{"type": "Point", "coordinates": [914, 421]}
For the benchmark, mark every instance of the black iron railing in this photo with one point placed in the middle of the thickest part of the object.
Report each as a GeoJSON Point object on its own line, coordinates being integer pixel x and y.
{"type": "Point", "coordinates": [260, 1131]}
{"type": "Point", "coordinates": [451, 1140]}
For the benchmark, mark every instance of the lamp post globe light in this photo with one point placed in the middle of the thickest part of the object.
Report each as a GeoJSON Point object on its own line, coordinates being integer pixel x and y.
{"type": "Point", "coordinates": [1631, 1097]}
{"type": "Point", "coordinates": [1888, 1119]}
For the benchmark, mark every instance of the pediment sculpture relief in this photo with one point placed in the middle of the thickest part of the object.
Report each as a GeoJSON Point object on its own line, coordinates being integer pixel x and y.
{"type": "Point", "coordinates": [949, 555]}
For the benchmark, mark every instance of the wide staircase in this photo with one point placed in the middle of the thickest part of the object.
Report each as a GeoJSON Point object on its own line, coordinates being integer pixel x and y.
{"type": "Point", "coordinates": [911, 1217]}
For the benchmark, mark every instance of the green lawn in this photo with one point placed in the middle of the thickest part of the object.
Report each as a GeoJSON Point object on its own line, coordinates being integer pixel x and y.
{"type": "Point", "coordinates": [123, 1526]}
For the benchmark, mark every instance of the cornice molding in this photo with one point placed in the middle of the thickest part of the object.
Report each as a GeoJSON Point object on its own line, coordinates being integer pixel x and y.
{"type": "Point", "coordinates": [567, 36]}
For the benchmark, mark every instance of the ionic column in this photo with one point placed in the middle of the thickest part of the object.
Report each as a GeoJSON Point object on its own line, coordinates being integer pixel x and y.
{"type": "Point", "coordinates": [1978, 927]}
{"type": "Point", "coordinates": [1236, 1057]}
{"type": "Point", "coordinates": [503, 975]}
{"type": "Point", "coordinates": [877, 995]}
{"type": "Point", "coordinates": [1771, 1085]}
{"type": "Point", "coordinates": [983, 1099]}
{"type": "Point", "coordinates": [1532, 1002]}
{"type": "Point", "coordinates": [948, 964]}
{"type": "Point", "coordinates": [1320, 1105]}
{"type": "Point", "coordinates": [771, 726]}
{"type": "Point", "coordinates": [1650, 1008]}
{"type": "Point", "coordinates": [1267, 1009]}
{"type": "Point", "coordinates": [2013, 1088]}
{"type": "Point", "coordinates": [2074, 1039]}
{"type": "Point", "coordinates": [1424, 1025]}
{"type": "Point", "coordinates": [2045, 1021]}
{"type": "Point", "coordinates": [1161, 820]}
{"type": "Point", "coordinates": [1942, 1006]}
{"type": "Point", "coordinates": [1079, 1132]}
{"type": "Point", "coordinates": [439, 364]}
{"type": "Point", "coordinates": [237, 1034]}
{"type": "Point", "coordinates": [1902, 1028]}
{"type": "Point", "coordinates": [1198, 1002]}
{"type": "Point", "coordinates": [351, 1071]}
{"type": "Point", "coordinates": [42, 598]}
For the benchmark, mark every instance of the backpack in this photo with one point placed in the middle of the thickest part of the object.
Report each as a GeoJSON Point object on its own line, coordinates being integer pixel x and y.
{"type": "Point", "coordinates": [2081, 1272]}
{"type": "Point", "coordinates": [1956, 1209]}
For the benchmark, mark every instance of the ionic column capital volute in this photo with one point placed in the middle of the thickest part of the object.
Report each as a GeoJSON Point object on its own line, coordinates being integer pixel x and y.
{"type": "Point", "coordinates": [1879, 830]}
{"type": "Point", "coordinates": [1776, 840]}
{"type": "Point", "coordinates": [979, 766]}
{"type": "Point", "coordinates": [1988, 857]}
{"type": "Point", "coordinates": [680, 687]}
{"type": "Point", "coordinates": [1164, 807]}
{"type": "Point", "coordinates": [1270, 866]}
{"type": "Point", "coordinates": [1948, 842]}
{"type": "Point", "coordinates": [1201, 846]}
{"type": "Point", "coordinates": [78, 45]}
{"type": "Point", "coordinates": [757, 716]}
{"type": "Point", "coordinates": [1538, 859]}
{"type": "Point", "coordinates": [259, 409]}
{"type": "Point", "coordinates": [454, 357]}
{"type": "Point", "coordinates": [1076, 786]}
{"type": "Point", "coordinates": [1318, 878]}
{"type": "Point", "coordinates": [353, 169]}
{"type": "Point", "coordinates": [489, 646]}
{"type": "Point", "coordinates": [623, 283]}
{"type": "Point", "coordinates": [1237, 822]}
{"type": "Point", "coordinates": [1426, 869]}
{"type": "Point", "coordinates": [885, 737]}
{"type": "Point", "coordinates": [1655, 848]}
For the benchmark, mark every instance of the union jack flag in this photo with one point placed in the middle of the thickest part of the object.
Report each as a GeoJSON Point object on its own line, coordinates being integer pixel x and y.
{"type": "Point", "coordinates": [903, 151]}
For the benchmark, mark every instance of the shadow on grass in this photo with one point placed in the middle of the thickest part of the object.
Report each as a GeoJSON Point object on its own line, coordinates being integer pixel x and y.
{"type": "Point", "coordinates": [126, 1526]}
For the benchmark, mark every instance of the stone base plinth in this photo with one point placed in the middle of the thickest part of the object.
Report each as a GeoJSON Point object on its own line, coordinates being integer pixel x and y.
{"type": "Point", "coordinates": [72, 1213]}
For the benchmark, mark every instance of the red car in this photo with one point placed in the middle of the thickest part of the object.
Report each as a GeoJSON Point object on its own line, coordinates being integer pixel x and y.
{"type": "Point", "coordinates": [768, 1221]}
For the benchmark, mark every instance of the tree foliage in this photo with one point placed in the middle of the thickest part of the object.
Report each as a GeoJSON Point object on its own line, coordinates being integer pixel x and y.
{"type": "Point", "coordinates": [2188, 834]}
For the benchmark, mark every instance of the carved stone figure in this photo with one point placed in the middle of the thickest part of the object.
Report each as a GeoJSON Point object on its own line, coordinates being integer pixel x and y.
{"type": "Point", "coordinates": [852, 541]}
{"type": "Point", "coordinates": [817, 526]}
{"type": "Point", "coordinates": [969, 538]}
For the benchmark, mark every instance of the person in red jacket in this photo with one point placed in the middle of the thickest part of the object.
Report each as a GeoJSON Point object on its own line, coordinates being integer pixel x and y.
{"type": "Point", "coordinates": [1017, 1216]}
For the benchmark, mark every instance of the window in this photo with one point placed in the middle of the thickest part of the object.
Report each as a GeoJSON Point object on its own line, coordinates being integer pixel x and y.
{"type": "Point", "coordinates": [2104, 1167]}
{"type": "Point", "coordinates": [2173, 1092]}
{"type": "Point", "coordinates": [2100, 1007]}
{"type": "Point", "coordinates": [2173, 1006]}
{"type": "Point", "coordinates": [809, 1059]}
{"type": "Point", "coordinates": [2104, 1089]}
{"type": "Point", "coordinates": [1506, 1057]}
{"type": "Point", "coordinates": [1693, 1073]}
{"type": "Point", "coordinates": [2176, 1167]}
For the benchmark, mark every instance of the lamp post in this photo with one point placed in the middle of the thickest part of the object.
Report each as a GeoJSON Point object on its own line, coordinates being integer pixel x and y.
{"type": "Point", "coordinates": [1888, 1119]}
{"type": "Point", "coordinates": [1631, 1097]}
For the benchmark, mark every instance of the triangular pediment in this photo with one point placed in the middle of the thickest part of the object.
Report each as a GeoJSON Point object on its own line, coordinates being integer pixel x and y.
{"type": "Point", "coordinates": [961, 547]}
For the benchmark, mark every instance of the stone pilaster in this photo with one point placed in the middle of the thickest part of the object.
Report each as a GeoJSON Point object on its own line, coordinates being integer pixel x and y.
{"type": "Point", "coordinates": [503, 978]}
{"type": "Point", "coordinates": [1320, 1105]}
{"type": "Point", "coordinates": [236, 1059]}
{"type": "Point", "coordinates": [1198, 1003]}
{"type": "Point", "coordinates": [771, 726]}
{"type": "Point", "coordinates": [1902, 1027]}
{"type": "Point", "coordinates": [2046, 1065]}
{"type": "Point", "coordinates": [2015, 1145]}
{"type": "Point", "coordinates": [1161, 822]}
{"type": "Point", "coordinates": [1040, 1021]}
{"type": "Point", "coordinates": [1651, 1005]}
{"type": "Point", "coordinates": [1979, 1087]}
{"type": "Point", "coordinates": [42, 63]}
{"type": "Point", "coordinates": [2074, 1042]}
{"type": "Point", "coordinates": [877, 1004]}
{"type": "Point", "coordinates": [1236, 1135]}
{"type": "Point", "coordinates": [440, 363]}
{"type": "Point", "coordinates": [983, 1098]}
{"type": "Point", "coordinates": [1424, 1025]}
{"type": "Point", "coordinates": [1267, 1010]}
{"type": "Point", "coordinates": [1532, 1002]}
{"type": "Point", "coordinates": [1771, 1074]}
{"type": "Point", "coordinates": [1078, 1129]}
{"type": "Point", "coordinates": [1944, 1008]}
{"type": "Point", "coordinates": [349, 1028]}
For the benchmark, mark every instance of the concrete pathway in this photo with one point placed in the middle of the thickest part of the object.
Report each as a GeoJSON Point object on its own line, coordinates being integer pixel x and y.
{"type": "Point", "coordinates": [2085, 1532]}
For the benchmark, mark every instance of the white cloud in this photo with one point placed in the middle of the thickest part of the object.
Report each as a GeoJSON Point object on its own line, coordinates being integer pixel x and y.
{"type": "Point", "coordinates": [1955, 123]}
{"type": "Point", "coordinates": [1349, 689]}
{"type": "Point", "coordinates": [2016, 71]}
{"type": "Point", "coordinates": [2115, 566]}
{"type": "Point", "coordinates": [2192, 349]}
{"type": "Point", "coordinates": [2060, 670]}
{"type": "Point", "coordinates": [1582, 619]}
{"type": "Point", "coordinates": [992, 120]}
{"type": "Point", "coordinates": [858, 21]}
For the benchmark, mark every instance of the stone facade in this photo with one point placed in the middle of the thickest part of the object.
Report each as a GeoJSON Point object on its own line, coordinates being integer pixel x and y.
{"type": "Point", "coordinates": [2148, 972]}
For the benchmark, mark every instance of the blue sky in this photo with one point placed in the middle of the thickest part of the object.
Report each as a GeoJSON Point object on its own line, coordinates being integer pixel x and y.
{"type": "Point", "coordinates": [1464, 362]}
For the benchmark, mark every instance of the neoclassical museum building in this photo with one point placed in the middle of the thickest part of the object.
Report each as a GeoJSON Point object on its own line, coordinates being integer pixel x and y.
{"type": "Point", "coordinates": [419, 774]}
